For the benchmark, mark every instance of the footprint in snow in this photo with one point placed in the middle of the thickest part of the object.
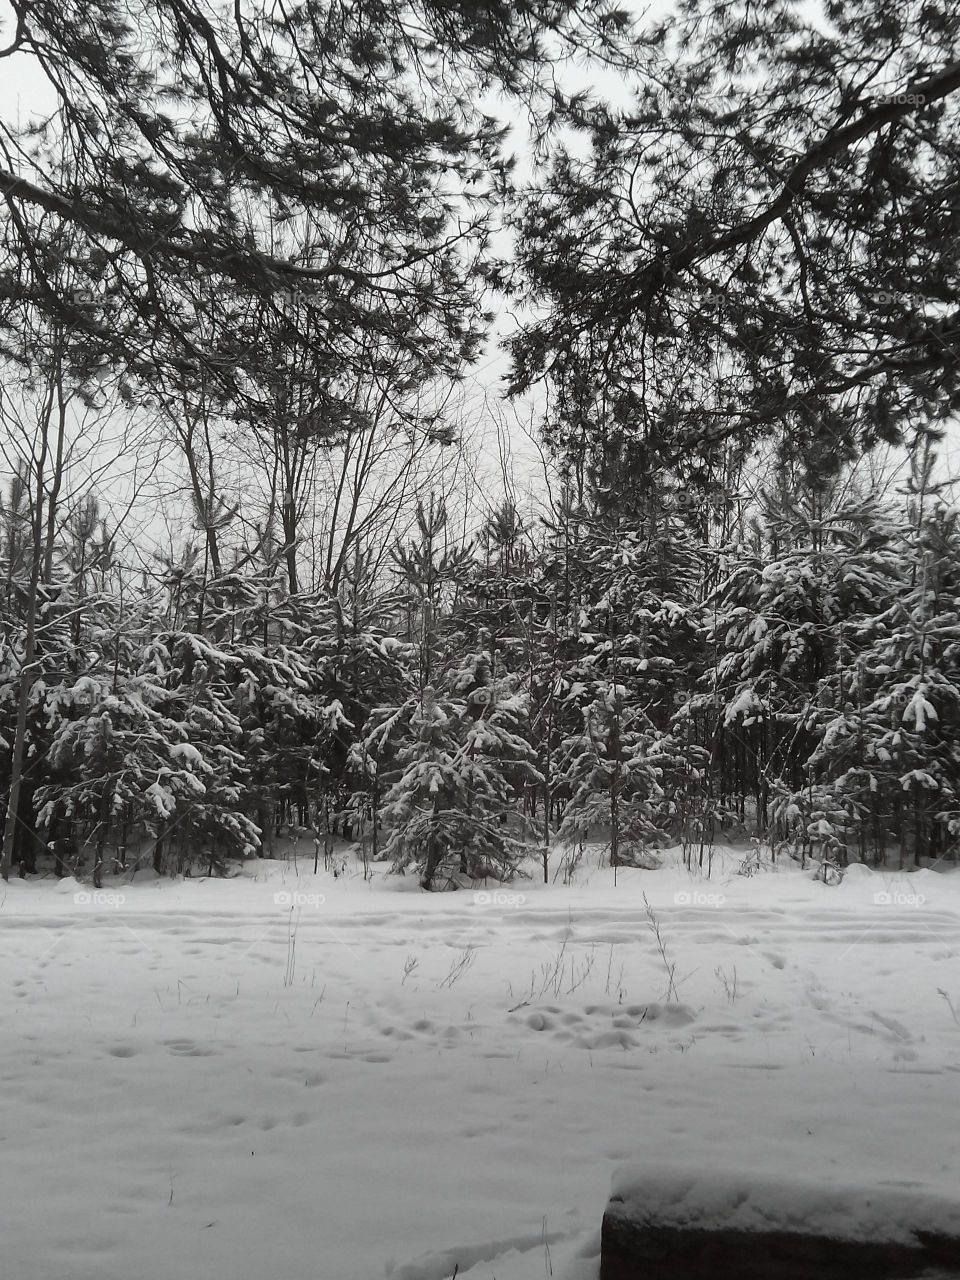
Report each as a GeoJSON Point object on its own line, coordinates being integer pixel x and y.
{"type": "Point", "coordinates": [898, 1029]}
{"type": "Point", "coordinates": [608, 1026]}
{"type": "Point", "coordinates": [121, 1051]}
{"type": "Point", "coordinates": [187, 1049]}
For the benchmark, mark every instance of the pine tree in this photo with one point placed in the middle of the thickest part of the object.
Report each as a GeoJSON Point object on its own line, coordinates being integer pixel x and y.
{"type": "Point", "coordinates": [449, 808]}
{"type": "Point", "coordinates": [637, 637]}
{"type": "Point", "coordinates": [891, 755]}
{"type": "Point", "coordinates": [786, 631]}
{"type": "Point", "coordinates": [754, 279]}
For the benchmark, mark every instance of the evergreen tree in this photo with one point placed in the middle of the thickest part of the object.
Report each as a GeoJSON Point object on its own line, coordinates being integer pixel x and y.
{"type": "Point", "coordinates": [449, 808]}
{"type": "Point", "coordinates": [756, 243]}
{"type": "Point", "coordinates": [182, 136]}
{"type": "Point", "coordinates": [890, 755]}
{"type": "Point", "coordinates": [786, 632]}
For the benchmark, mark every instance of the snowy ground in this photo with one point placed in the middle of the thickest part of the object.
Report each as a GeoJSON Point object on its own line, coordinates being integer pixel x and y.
{"type": "Point", "coordinates": [357, 1080]}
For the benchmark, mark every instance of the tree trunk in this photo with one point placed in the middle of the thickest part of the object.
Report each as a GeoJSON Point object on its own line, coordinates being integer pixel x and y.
{"type": "Point", "coordinates": [27, 678]}
{"type": "Point", "coordinates": [433, 851]}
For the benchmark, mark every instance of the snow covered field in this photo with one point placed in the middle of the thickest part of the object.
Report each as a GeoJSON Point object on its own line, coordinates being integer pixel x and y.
{"type": "Point", "coordinates": [306, 1078]}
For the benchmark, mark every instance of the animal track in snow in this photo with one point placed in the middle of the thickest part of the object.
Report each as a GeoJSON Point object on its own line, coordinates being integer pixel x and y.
{"type": "Point", "coordinates": [603, 1026]}
{"type": "Point", "coordinates": [187, 1049]}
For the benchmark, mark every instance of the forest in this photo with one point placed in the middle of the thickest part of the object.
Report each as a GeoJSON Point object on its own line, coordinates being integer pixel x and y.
{"type": "Point", "coordinates": [470, 431]}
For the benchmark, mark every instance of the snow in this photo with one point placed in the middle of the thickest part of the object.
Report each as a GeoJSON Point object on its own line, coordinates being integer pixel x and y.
{"type": "Point", "coordinates": [162, 798]}
{"type": "Point", "coordinates": [188, 755]}
{"type": "Point", "coordinates": [745, 701]}
{"type": "Point", "coordinates": [919, 710]}
{"type": "Point", "coordinates": [320, 1077]}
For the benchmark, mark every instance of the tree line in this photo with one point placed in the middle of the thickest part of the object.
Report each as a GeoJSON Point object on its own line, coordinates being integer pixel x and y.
{"type": "Point", "coordinates": [249, 255]}
{"type": "Point", "coordinates": [780, 662]}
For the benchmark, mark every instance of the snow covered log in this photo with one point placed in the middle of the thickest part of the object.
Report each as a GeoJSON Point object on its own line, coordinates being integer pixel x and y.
{"type": "Point", "coordinates": [676, 1226]}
